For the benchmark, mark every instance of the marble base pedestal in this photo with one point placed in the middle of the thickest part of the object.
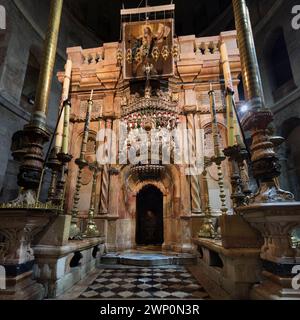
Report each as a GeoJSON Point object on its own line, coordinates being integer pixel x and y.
{"type": "Point", "coordinates": [18, 227]}
{"type": "Point", "coordinates": [233, 270]}
{"type": "Point", "coordinates": [275, 222]}
{"type": "Point", "coordinates": [59, 268]}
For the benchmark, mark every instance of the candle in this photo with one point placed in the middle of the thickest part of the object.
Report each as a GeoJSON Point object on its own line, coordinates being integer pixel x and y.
{"type": "Point", "coordinates": [65, 142]}
{"type": "Point", "coordinates": [59, 134]}
{"type": "Point", "coordinates": [231, 123]}
{"type": "Point", "coordinates": [214, 121]}
{"type": "Point", "coordinates": [64, 97]}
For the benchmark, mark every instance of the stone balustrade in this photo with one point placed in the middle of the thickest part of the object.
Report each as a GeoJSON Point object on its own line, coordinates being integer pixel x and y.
{"type": "Point", "coordinates": [92, 56]}
{"type": "Point", "coordinates": [207, 45]}
{"type": "Point", "coordinates": [204, 47]}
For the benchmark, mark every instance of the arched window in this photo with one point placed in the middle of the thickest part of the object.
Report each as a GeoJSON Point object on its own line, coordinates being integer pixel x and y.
{"type": "Point", "coordinates": [279, 66]}
{"type": "Point", "coordinates": [31, 80]}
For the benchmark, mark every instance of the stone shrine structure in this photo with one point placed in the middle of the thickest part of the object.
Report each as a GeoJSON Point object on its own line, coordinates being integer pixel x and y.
{"type": "Point", "coordinates": [220, 208]}
{"type": "Point", "coordinates": [184, 199]}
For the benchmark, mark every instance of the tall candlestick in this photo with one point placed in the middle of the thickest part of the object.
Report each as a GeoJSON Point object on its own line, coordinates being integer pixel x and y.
{"type": "Point", "coordinates": [219, 156]}
{"type": "Point", "coordinates": [233, 128]}
{"type": "Point", "coordinates": [36, 131]}
{"type": "Point", "coordinates": [264, 158]}
{"type": "Point", "coordinates": [64, 97]}
{"type": "Point", "coordinates": [207, 229]}
{"type": "Point", "coordinates": [75, 232]}
{"type": "Point", "coordinates": [86, 127]}
{"type": "Point", "coordinates": [65, 142]}
{"type": "Point", "coordinates": [214, 121]}
{"type": "Point", "coordinates": [91, 228]}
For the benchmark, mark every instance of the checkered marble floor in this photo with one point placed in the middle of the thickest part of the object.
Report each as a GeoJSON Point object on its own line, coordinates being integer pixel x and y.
{"type": "Point", "coordinates": [145, 283]}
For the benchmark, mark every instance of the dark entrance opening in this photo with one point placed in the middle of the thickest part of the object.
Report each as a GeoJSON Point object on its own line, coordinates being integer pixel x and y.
{"type": "Point", "coordinates": [149, 224]}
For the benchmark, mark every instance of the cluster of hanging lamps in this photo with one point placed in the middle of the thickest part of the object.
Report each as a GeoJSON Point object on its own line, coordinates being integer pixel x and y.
{"type": "Point", "coordinates": [152, 119]}
{"type": "Point", "coordinates": [144, 51]}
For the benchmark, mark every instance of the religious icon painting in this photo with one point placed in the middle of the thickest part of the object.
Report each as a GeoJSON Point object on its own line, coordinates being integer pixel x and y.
{"type": "Point", "coordinates": [148, 47]}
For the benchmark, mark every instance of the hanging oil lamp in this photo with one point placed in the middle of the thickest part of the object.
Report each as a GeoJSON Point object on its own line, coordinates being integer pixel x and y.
{"type": "Point", "coordinates": [119, 56]}
{"type": "Point", "coordinates": [155, 53]}
{"type": "Point", "coordinates": [175, 51]}
{"type": "Point", "coordinates": [138, 56]}
{"type": "Point", "coordinates": [129, 56]}
{"type": "Point", "coordinates": [165, 52]}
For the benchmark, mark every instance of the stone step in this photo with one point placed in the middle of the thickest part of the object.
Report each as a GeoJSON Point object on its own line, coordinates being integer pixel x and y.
{"type": "Point", "coordinates": [148, 259]}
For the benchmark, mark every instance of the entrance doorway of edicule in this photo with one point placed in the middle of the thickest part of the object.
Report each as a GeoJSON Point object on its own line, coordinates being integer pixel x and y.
{"type": "Point", "coordinates": [149, 215]}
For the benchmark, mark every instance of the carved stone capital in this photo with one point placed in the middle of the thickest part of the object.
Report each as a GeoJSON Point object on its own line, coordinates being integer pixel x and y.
{"type": "Point", "coordinates": [275, 221]}
{"type": "Point", "coordinates": [17, 230]}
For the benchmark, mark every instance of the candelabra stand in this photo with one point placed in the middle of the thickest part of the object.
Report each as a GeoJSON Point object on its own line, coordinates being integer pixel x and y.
{"type": "Point", "coordinates": [91, 228]}
{"type": "Point", "coordinates": [207, 229]}
{"type": "Point", "coordinates": [219, 157]}
{"type": "Point", "coordinates": [237, 155]}
{"type": "Point", "coordinates": [53, 164]}
{"type": "Point", "coordinates": [64, 159]}
{"type": "Point", "coordinates": [75, 233]}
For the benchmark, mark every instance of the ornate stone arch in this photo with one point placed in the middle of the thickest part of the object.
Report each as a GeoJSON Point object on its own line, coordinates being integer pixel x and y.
{"type": "Point", "coordinates": [168, 184]}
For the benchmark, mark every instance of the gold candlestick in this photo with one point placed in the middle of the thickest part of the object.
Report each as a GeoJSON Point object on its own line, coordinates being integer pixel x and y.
{"type": "Point", "coordinates": [86, 130]}
{"type": "Point", "coordinates": [264, 159]}
{"type": "Point", "coordinates": [219, 156]}
{"type": "Point", "coordinates": [207, 229]}
{"type": "Point", "coordinates": [75, 232]}
{"type": "Point", "coordinates": [36, 131]}
{"type": "Point", "coordinates": [91, 228]}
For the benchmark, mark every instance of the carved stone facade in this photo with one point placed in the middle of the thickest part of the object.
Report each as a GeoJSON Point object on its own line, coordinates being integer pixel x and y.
{"type": "Point", "coordinates": [183, 195]}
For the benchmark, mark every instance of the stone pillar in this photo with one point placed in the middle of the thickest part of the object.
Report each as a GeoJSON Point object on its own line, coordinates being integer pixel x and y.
{"type": "Point", "coordinates": [194, 177]}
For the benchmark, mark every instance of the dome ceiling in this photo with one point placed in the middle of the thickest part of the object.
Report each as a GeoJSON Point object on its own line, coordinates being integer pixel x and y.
{"type": "Point", "coordinates": [200, 17]}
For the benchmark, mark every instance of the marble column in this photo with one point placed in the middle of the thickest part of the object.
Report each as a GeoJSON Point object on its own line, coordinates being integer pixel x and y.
{"type": "Point", "coordinates": [105, 176]}
{"type": "Point", "coordinates": [194, 177]}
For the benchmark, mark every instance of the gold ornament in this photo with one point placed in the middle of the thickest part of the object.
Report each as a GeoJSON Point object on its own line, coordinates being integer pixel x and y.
{"type": "Point", "coordinates": [138, 56]}
{"type": "Point", "coordinates": [165, 52]}
{"type": "Point", "coordinates": [129, 55]}
{"type": "Point", "coordinates": [145, 50]}
{"type": "Point", "coordinates": [175, 51]}
{"type": "Point", "coordinates": [155, 54]}
{"type": "Point", "coordinates": [119, 56]}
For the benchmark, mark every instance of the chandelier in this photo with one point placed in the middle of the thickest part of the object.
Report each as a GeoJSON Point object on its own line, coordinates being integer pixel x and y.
{"type": "Point", "coordinates": [151, 111]}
